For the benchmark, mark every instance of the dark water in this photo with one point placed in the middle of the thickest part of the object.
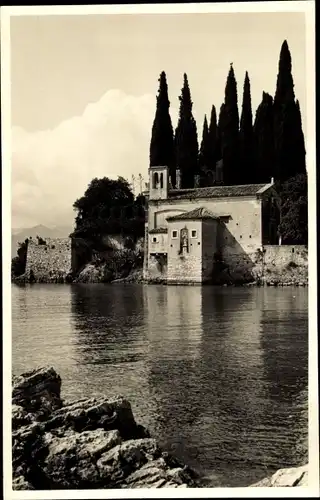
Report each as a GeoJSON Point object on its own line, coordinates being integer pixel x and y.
{"type": "Point", "coordinates": [218, 375]}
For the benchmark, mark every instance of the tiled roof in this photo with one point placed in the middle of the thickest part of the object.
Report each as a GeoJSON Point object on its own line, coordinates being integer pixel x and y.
{"type": "Point", "coordinates": [197, 213]}
{"type": "Point", "coordinates": [158, 230]}
{"type": "Point", "coordinates": [217, 191]}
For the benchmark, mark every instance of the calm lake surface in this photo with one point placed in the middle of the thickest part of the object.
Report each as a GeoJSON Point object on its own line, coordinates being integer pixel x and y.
{"type": "Point", "coordinates": [218, 375]}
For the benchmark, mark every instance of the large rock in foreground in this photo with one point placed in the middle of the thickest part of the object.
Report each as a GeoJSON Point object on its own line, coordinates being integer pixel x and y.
{"type": "Point", "coordinates": [295, 476]}
{"type": "Point", "coordinates": [90, 443]}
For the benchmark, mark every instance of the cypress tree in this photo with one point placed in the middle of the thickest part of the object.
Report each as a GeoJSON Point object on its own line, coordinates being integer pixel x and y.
{"type": "Point", "coordinates": [284, 89]}
{"type": "Point", "coordinates": [289, 147]}
{"type": "Point", "coordinates": [300, 144]}
{"type": "Point", "coordinates": [186, 140]}
{"type": "Point", "coordinates": [162, 142]}
{"type": "Point", "coordinates": [264, 140]}
{"type": "Point", "coordinates": [219, 155]}
{"type": "Point", "coordinates": [220, 133]}
{"type": "Point", "coordinates": [230, 132]}
{"type": "Point", "coordinates": [213, 138]}
{"type": "Point", "coordinates": [248, 174]}
{"type": "Point", "coordinates": [204, 147]}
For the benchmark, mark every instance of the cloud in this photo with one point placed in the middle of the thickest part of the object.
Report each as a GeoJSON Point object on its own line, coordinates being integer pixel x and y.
{"type": "Point", "coordinates": [52, 168]}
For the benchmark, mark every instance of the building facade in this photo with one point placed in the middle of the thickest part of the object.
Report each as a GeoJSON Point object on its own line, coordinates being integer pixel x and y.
{"type": "Point", "coordinates": [190, 232]}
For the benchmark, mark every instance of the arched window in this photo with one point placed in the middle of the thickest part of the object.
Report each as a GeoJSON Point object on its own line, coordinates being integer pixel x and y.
{"type": "Point", "coordinates": [155, 180]}
{"type": "Point", "coordinates": [161, 181]}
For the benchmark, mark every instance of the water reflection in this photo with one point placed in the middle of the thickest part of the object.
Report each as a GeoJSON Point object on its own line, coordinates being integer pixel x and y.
{"type": "Point", "coordinates": [284, 342]}
{"type": "Point", "coordinates": [213, 379]}
{"type": "Point", "coordinates": [41, 328]}
{"type": "Point", "coordinates": [219, 375]}
{"type": "Point", "coordinates": [174, 325]}
{"type": "Point", "coordinates": [109, 339]}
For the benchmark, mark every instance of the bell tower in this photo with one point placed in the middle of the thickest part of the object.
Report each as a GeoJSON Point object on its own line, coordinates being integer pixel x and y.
{"type": "Point", "coordinates": [158, 183]}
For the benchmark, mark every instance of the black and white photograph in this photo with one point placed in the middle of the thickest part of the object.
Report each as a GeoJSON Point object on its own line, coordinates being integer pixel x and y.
{"type": "Point", "coordinates": [159, 188]}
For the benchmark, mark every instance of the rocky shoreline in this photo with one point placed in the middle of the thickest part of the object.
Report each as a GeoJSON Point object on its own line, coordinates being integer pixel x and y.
{"type": "Point", "coordinates": [89, 443]}
{"type": "Point", "coordinates": [136, 277]}
{"type": "Point", "coordinates": [94, 443]}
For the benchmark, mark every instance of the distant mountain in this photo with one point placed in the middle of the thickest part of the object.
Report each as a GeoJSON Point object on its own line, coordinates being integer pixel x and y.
{"type": "Point", "coordinates": [19, 235]}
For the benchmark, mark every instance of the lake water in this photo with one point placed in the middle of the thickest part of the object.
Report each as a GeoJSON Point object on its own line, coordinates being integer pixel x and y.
{"type": "Point", "coordinates": [218, 375]}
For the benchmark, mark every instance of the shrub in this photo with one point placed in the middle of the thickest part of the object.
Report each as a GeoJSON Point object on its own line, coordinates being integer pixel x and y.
{"type": "Point", "coordinates": [18, 263]}
{"type": "Point", "coordinates": [41, 241]}
{"type": "Point", "coordinates": [292, 265]}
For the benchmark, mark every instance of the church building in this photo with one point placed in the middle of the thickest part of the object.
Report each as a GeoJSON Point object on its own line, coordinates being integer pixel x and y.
{"type": "Point", "coordinates": [189, 232]}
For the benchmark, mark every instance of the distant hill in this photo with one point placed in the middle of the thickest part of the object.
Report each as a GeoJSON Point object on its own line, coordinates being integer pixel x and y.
{"type": "Point", "coordinates": [19, 235]}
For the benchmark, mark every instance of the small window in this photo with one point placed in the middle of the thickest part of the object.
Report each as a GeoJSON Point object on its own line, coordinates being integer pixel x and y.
{"type": "Point", "coordinates": [198, 242]}
{"type": "Point", "coordinates": [193, 233]}
{"type": "Point", "coordinates": [249, 235]}
{"type": "Point", "coordinates": [154, 239]}
{"type": "Point", "coordinates": [174, 234]}
{"type": "Point", "coordinates": [293, 250]}
{"type": "Point", "coordinates": [155, 180]}
{"type": "Point", "coordinates": [240, 235]}
{"type": "Point", "coordinates": [161, 180]}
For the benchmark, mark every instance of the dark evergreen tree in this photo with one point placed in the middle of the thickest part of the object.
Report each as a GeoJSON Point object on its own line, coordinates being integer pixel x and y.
{"type": "Point", "coordinates": [230, 132]}
{"type": "Point", "coordinates": [300, 149]}
{"type": "Point", "coordinates": [186, 140]}
{"type": "Point", "coordinates": [284, 89]}
{"type": "Point", "coordinates": [264, 140]}
{"type": "Point", "coordinates": [213, 133]}
{"type": "Point", "coordinates": [289, 148]}
{"type": "Point", "coordinates": [162, 142]}
{"type": "Point", "coordinates": [248, 168]}
{"type": "Point", "coordinates": [220, 133]}
{"type": "Point", "coordinates": [204, 147]}
{"type": "Point", "coordinates": [219, 155]}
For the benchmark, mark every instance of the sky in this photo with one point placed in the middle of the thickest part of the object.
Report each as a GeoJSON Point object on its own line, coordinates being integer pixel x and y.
{"type": "Point", "coordinates": [83, 92]}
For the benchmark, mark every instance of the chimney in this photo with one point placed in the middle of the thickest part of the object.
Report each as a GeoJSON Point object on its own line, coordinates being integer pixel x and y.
{"type": "Point", "coordinates": [170, 182]}
{"type": "Point", "coordinates": [178, 179]}
{"type": "Point", "coordinates": [272, 180]}
{"type": "Point", "coordinates": [197, 181]}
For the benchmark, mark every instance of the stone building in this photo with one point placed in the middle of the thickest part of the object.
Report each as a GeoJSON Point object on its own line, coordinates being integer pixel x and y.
{"type": "Point", "coordinates": [189, 233]}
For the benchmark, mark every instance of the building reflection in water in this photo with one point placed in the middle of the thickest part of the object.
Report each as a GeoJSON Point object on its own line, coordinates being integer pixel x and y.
{"type": "Point", "coordinates": [218, 375]}
{"type": "Point", "coordinates": [212, 381]}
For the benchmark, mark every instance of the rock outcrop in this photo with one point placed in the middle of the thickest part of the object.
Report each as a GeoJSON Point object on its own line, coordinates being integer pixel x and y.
{"type": "Point", "coordinates": [123, 265]}
{"type": "Point", "coordinates": [89, 443]}
{"type": "Point", "coordinates": [294, 476]}
{"type": "Point", "coordinates": [94, 443]}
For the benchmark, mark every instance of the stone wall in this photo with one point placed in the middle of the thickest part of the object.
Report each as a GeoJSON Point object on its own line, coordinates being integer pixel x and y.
{"type": "Point", "coordinates": [185, 267]}
{"type": "Point", "coordinates": [285, 264]}
{"type": "Point", "coordinates": [210, 245]}
{"type": "Point", "coordinates": [158, 243]}
{"type": "Point", "coordinates": [283, 255]}
{"type": "Point", "coordinates": [50, 260]}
